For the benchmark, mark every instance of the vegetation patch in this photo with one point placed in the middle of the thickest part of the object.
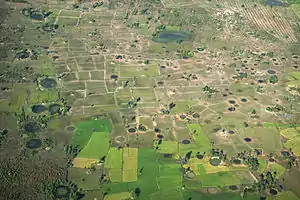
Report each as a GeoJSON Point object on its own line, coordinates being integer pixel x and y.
{"type": "Point", "coordinates": [220, 179]}
{"type": "Point", "coordinates": [115, 175]}
{"type": "Point", "coordinates": [34, 144]}
{"type": "Point", "coordinates": [84, 130]}
{"type": "Point", "coordinates": [114, 158]}
{"type": "Point", "coordinates": [170, 147]}
{"type": "Point", "coordinates": [97, 146]}
{"type": "Point", "coordinates": [274, 167]}
{"type": "Point", "coordinates": [200, 138]}
{"type": "Point", "coordinates": [294, 144]}
{"type": "Point", "coordinates": [118, 196]}
{"type": "Point", "coordinates": [84, 162]}
{"type": "Point", "coordinates": [130, 164]}
{"type": "Point", "coordinates": [290, 133]}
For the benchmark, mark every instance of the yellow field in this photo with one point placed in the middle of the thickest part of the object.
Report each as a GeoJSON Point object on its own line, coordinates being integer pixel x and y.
{"type": "Point", "coordinates": [130, 156]}
{"type": "Point", "coordinates": [130, 165]}
{"type": "Point", "coordinates": [115, 175]}
{"type": "Point", "coordinates": [290, 133]}
{"type": "Point", "coordinates": [84, 162]}
{"type": "Point", "coordinates": [118, 196]}
{"type": "Point", "coordinates": [296, 9]}
{"type": "Point", "coordinates": [209, 169]}
{"type": "Point", "coordinates": [215, 169]}
{"type": "Point", "coordinates": [130, 175]}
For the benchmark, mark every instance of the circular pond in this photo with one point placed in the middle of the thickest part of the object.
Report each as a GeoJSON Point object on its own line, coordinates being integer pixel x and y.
{"type": "Point", "coordinates": [142, 127]}
{"type": "Point", "coordinates": [215, 162]}
{"type": "Point", "coordinates": [182, 116]}
{"type": "Point", "coordinates": [285, 153]}
{"type": "Point", "coordinates": [114, 76]}
{"type": "Point", "coordinates": [231, 109]}
{"type": "Point", "coordinates": [237, 161]}
{"type": "Point", "coordinates": [33, 143]}
{"type": "Point", "coordinates": [54, 108]}
{"type": "Point", "coordinates": [200, 157]}
{"type": "Point", "coordinates": [37, 16]}
{"type": "Point", "coordinates": [273, 191]}
{"type": "Point", "coordinates": [38, 108]}
{"type": "Point", "coordinates": [186, 142]}
{"type": "Point", "coordinates": [131, 130]}
{"type": "Point", "coordinates": [48, 83]}
{"type": "Point", "coordinates": [271, 160]}
{"type": "Point", "coordinates": [243, 100]}
{"type": "Point", "coordinates": [49, 27]}
{"type": "Point", "coordinates": [231, 132]}
{"type": "Point", "coordinates": [23, 55]}
{"type": "Point", "coordinates": [233, 187]}
{"type": "Point", "coordinates": [196, 115]}
{"type": "Point", "coordinates": [247, 139]}
{"type": "Point", "coordinates": [157, 130]}
{"type": "Point", "coordinates": [271, 71]}
{"type": "Point", "coordinates": [31, 127]}
{"type": "Point", "coordinates": [62, 192]}
{"type": "Point", "coordinates": [160, 136]}
{"type": "Point", "coordinates": [171, 36]}
{"type": "Point", "coordinates": [231, 101]}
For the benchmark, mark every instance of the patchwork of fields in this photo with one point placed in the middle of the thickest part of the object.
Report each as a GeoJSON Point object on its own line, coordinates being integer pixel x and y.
{"type": "Point", "coordinates": [157, 100]}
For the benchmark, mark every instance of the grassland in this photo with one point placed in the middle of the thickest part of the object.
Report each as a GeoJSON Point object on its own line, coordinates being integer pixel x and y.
{"type": "Point", "coordinates": [85, 129]}
{"type": "Point", "coordinates": [97, 146]}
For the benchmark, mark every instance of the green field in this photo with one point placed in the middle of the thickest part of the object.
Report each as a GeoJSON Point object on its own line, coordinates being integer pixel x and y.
{"type": "Point", "coordinates": [150, 171]}
{"type": "Point", "coordinates": [170, 147]}
{"type": "Point", "coordinates": [294, 144]}
{"type": "Point", "coordinates": [114, 158]}
{"type": "Point", "coordinates": [85, 129]}
{"type": "Point", "coordinates": [201, 139]}
{"type": "Point", "coordinates": [219, 179]}
{"type": "Point", "coordinates": [97, 146]}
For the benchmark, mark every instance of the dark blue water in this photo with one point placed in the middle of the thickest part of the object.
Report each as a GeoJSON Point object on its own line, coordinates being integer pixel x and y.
{"type": "Point", "coordinates": [172, 36]}
{"type": "Point", "coordinates": [37, 16]}
{"type": "Point", "coordinates": [273, 3]}
{"type": "Point", "coordinates": [38, 108]}
{"type": "Point", "coordinates": [48, 83]}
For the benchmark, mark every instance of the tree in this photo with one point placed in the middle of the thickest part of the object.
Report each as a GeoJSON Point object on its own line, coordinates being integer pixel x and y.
{"type": "Point", "coordinates": [137, 192]}
{"type": "Point", "coordinates": [273, 79]}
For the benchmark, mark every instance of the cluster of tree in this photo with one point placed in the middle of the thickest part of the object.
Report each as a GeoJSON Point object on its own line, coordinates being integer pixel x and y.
{"type": "Point", "coordinates": [98, 4]}
{"type": "Point", "coordinates": [273, 79]}
{"type": "Point", "coordinates": [276, 108]}
{"type": "Point", "coordinates": [247, 157]}
{"type": "Point", "coordinates": [168, 109]}
{"type": "Point", "coordinates": [186, 54]}
{"type": "Point", "coordinates": [219, 153]}
{"type": "Point", "coordinates": [62, 189]}
{"type": "Point", "coordinates": [208, 91]}
{"type": "Point", "coordinates": [72, 151]}
{"type": "Point", "coordinates": [159, 29]}
{"type": "Point", "coordinates": [3, 135]}
{"type": "Point", "coordinates": [133, 103]}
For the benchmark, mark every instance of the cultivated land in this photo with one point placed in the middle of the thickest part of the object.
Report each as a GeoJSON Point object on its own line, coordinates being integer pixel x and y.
{"type": "Point", "coordinates": [150, 100]}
